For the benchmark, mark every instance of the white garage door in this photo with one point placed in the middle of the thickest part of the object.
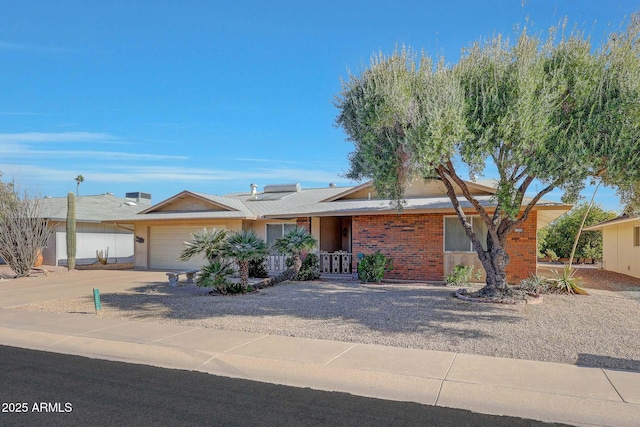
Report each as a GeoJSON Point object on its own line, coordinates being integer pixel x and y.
{"type": "Point", "coordinates": [166, 244]}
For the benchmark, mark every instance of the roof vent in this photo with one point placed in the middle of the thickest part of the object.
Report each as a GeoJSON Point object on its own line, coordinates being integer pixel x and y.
{"type": "Point", "coordinates": [282, 188]}
{"type": "Point", "coordinates": [254, 189]}
{"type": "Point", "coordinates": [332, 185]}
{"type": "Point", "coordinates": [139, 197]}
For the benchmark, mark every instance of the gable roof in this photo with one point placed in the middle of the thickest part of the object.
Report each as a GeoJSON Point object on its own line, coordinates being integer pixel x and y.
{"type": "Point", "coordinates": [206, 207]}
{"type": "Point", "coordinates": [100, 208]}
{"type": "Point", "coordinates": [290, 202]}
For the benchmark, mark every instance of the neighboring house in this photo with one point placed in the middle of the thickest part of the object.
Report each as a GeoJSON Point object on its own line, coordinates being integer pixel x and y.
{"type": "Point", "coordinates": [620, 244]}
{"type": "Point", "coordinates": [425, 240]}
{"type": "Point", "coordinates": [95, 229]}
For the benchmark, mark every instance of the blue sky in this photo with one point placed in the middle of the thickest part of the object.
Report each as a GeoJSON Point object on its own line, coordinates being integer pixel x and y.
{"type": "Point", "coordinates": [210, 96]}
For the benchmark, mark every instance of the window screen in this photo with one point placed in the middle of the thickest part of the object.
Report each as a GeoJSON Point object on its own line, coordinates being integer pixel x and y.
{"type": "Point", "coordinates": [276, 231]}
{"type": "Point", "coordinates": [455, 238]}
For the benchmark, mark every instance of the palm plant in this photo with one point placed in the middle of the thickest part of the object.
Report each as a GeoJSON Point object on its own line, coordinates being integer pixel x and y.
{"type": "Point", "coordinates": [209, 242]}
{"type": "Point", "coordinates": [79, 180]}
{"type": "Point", "coordinates": [294, 243]}
{"type": "Point", "coordinates": [243, 246]}
{"type": "Point", "coordinates": [215, 275]}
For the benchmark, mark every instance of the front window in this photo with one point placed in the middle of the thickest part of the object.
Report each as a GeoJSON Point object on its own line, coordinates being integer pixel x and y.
{"type": "Point", "coordinates": [276, 231]}
{"type": "Point", "coordinates": [636, 236]}
{"type": "Point", "coordinates": [456, 239]}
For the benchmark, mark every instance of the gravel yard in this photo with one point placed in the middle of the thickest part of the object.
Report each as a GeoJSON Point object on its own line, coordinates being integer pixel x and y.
{"type": "Point", "coordinates": [600, 330]}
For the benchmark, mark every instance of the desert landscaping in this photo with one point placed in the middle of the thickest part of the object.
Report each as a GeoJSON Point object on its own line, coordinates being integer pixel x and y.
{"type": "Point", "coordinates": [598, 330]}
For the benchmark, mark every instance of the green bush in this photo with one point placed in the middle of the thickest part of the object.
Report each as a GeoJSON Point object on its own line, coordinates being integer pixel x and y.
{"type": "Point", "coordinates": [310, 269]}
{"type": "Point", "coordinates": [216, 276]}
{"type": "Point", "coordinates": [461, 275]}
{"type": "Point", "coordinates": [552, 254]}
{"type": "Point", "coordinates": [373, 266]}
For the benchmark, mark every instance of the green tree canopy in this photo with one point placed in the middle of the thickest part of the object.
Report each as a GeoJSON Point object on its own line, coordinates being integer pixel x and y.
{"type": "Point", "coordinates": [551, 113]}
{"type": "Point", "coordinates": [561, 233]}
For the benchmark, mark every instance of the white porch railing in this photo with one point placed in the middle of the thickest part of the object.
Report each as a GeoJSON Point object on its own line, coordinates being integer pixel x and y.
{"type": "Point", "coordinates": [330, 263]}
{"type": "Point", "coordinates": [276, 263]}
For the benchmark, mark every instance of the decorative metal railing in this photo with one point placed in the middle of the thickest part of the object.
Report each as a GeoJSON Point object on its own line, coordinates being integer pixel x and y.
{"type": "Point", "coordinates": [330, 263]}
{"type": "Point", "coordinates": [335, 262]}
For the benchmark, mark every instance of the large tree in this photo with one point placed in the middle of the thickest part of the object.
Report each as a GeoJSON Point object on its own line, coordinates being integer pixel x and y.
{"type": "Point", "coordinates": [547, 114]}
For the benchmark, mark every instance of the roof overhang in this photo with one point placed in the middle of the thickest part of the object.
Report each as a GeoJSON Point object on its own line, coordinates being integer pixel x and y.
{"type": "Point", "coordinates": [545, 213]}
{"type": "Point", "coordinates": [549, 213]}
{"type": "Point", "coordinates": [612, 222]}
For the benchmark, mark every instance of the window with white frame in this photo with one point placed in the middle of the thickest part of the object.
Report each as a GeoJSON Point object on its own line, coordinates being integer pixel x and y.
{"type": "Point", "coordinates": [456, 239]}
{"type": "Point", "coordinates": [276, 231]}
{"type": "Point", "coordinates": [636, 236]}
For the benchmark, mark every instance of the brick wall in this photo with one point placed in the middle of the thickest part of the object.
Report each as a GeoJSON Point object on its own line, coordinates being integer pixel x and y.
{"type": "Point", "coordinates": [415, 243]}
{"type": "Point", "coordinates": [304, 222]}
{"type": "Point", "coordinates": [521, 248]}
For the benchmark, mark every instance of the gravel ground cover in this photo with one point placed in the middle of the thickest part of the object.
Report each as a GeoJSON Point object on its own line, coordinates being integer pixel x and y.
{"type": "Point", "coordinates": [600, 330]}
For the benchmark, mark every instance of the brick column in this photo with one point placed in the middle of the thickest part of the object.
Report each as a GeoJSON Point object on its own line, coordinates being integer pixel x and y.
{"type": "Point", "coordinates": [304, 222]}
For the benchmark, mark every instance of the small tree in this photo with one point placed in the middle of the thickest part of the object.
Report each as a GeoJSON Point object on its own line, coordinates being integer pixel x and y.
{"type": "Point", "coordinates": [243, 246]}
{"type": "Point", "coordinates": [209, 242]}
{"type": "Point", "coordinates": [293, 243]}
{"type": "Point", "coordinates": [23, 229]}
{"type": "Point", "coordinates": [552, 112]}
{"type": "Point", "coordinates": [79, 180]}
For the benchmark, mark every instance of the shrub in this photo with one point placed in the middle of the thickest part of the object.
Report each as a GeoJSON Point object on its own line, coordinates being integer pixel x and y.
{"type": "Point", "coordinates": [216, 276]}
{"type": "Point", "coordinates": [373, 266]}
{"type": "Point", "coordinates": [461, 275]}
{"type": "Point", "coordinates": [564, 282]}
{"type": "Point", "coordinates": [258, 268]}
{"type": "Point", "coordinates": [552, 254]}
{"type": "Point", "coordinates": [310, 269]}
{"type": "Point", "coordinates": [535, 284]}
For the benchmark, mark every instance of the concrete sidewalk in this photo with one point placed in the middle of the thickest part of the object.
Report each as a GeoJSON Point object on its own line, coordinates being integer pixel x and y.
{"type": "Point", "coordinates": [529, 389]}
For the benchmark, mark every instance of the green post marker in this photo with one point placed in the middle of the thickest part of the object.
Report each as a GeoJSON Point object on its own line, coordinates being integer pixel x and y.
{"type": "Point", "coordinates": [96, 299]}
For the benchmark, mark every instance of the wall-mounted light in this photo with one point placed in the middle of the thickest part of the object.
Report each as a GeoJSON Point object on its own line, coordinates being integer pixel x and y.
{"type": "Point", "coordinates": [139, 239]}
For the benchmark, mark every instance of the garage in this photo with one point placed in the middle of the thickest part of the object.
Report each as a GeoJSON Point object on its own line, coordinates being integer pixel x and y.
{"type": "Point", "coordinates": [166, 244]}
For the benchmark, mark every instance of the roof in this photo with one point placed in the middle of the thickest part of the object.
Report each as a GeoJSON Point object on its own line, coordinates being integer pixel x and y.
{"type": "Point", "coordinates": [100, 208]}
{"type": "Point", "coordinates": [615, 221]}
{"type": "Point", "coordinates": [327, 201]}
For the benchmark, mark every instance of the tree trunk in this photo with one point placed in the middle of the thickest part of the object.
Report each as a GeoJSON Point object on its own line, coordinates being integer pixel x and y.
{"type": "Point", "coordinates": [297, 263]}
{"type": "Point", "coordinates": [289, 274]}
{"type": "Point", "coordinates": [244, 274]}
{"type": "Point", "coordinates": [495, 263]}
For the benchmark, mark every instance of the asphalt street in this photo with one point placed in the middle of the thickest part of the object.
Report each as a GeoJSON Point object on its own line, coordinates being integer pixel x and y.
{"type": "Point", "coordinates": [41, 388]}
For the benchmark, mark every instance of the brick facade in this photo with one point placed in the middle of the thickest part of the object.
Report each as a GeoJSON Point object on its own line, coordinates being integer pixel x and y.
{"type": "Point", "coordinates": [415, 242]}
{"type": "Point", "coordinates": [304, 222]}
{"type": "Point", "coordinates": [521, 247]}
